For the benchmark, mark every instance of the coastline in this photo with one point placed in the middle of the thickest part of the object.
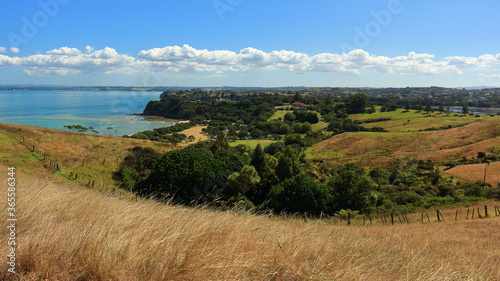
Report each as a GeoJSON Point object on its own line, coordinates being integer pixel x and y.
{"type": "Point", "coordinates": [159, 118]}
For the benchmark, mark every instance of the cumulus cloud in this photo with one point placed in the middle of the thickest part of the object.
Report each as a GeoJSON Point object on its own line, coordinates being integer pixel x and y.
{"type": "Point", "coordinates": [3, 50]}
{"type": "Point", "coordinates": [493, 76]}
{"type": "Point", "coordinates": [14, 50]}
{"type": "Point", "coordinates": [179, 59]}
{"type": "Point", "coordinates": [186, 58]}
{"type": "Point", "coordinates": [65, 61]}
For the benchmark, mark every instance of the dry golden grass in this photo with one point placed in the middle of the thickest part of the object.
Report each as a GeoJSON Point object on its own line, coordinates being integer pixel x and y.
{"type": "Point", "coordinates": [379, 149]}
{"type": "Point", "coordinates": [92, 157]}
{"type": "Point", "coordinates": [196, 132]}
{"type": "Point", "coordinates": [70, 233]}
{"type": "Point", "coordinates": [475, 172]}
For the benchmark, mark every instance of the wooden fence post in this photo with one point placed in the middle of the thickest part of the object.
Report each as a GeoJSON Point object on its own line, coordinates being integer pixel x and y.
{"type": "Point", "coordinates": [485, 211]}
{"type": "Point", "coordinates": [456, 215]}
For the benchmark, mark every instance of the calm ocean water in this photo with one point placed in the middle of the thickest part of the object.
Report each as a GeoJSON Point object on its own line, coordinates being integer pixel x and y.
{"type": "Point", "coordinates": [98, 109]}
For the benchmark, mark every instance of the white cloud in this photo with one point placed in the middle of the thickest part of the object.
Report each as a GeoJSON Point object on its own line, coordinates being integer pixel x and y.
{"type": "Point", "coordinates": [14, 50]}
{"type": "Point", "coordinates": [89, 49]}
{"type": "Point", "coordinates": [3, 50]}
{"type": "Point", "coordinates": [181, 59]}
{"type": "Point", "coordinates": [186, 58]}
{"type": "Point", "coordinates": [6, 60]}
{"type": "Point", "coordinates": [65, 51]}
{"type": "Point", "coordinates": [494, 76]}
{"type": "Point", "coordinates": [65, 61]}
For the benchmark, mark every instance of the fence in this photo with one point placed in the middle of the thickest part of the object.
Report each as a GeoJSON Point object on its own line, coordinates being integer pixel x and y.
{"type": "Point", "coordinates": [55, 166]}
{"type": "Point", "coordinates": [51, 163]}
{"type": "Point", "coordinates": [424, 217]}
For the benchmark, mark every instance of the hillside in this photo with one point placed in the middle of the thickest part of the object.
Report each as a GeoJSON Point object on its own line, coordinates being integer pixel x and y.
{"type": "Point", "coordinates": [70, 233]}
{"type": "Point", "coordinates": [91, 157]}
{"type": "Point", "coordinates": [476, 172]}
{"type": "Point", "coordinates": [381, 149]}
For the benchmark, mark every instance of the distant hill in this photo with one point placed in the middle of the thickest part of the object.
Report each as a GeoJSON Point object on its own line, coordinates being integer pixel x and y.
{"type": "Point", "coordinates": [383, 149]}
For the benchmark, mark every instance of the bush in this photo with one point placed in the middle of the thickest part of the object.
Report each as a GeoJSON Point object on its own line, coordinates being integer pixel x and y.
{"type": "Point", "coordinates": [299, 194]}
{"type": "Point", "coordinates": [476, 189]}
{"type": "Point", "coordinates": [190, 175]}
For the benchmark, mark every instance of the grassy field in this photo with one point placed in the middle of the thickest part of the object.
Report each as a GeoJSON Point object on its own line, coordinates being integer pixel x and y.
{"type": "Point", "coordinates": [252, 143]}
{"type": "Point", "coordinates": [412, 121]}
{"type": "Point", "coordinates": [195, 131]}
{"type": "Point", "coordinates": [279, 114]}
{"type": "Point", "coordinates": [476, 172]}
{"type": "Point", "coordinates": [70, 233]}
{"type": "Point", "coordinates": [93, 158]}
{"type": "Point", "coordinates": [67, 232]}
{"type": "Point", "coordinates": [469, 136]}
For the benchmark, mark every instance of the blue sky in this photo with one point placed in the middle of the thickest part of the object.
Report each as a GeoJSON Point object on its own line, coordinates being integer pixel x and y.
{"type": "Point", "coordinates": [386, 43]}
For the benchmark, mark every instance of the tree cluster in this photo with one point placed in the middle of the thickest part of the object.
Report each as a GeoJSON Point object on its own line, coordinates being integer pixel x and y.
{"type": "Point", "coordinates": [277, 177]}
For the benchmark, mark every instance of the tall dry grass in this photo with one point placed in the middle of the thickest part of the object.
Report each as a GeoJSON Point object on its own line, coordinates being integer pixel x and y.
{"type": "Point", "coordinates": [70, 233]}
{"type": "Point", "coordinates": [92, 157]}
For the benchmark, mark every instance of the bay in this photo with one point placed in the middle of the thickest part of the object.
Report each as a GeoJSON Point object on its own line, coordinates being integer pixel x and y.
{"type": "Point", "coordinates": [98, 109]}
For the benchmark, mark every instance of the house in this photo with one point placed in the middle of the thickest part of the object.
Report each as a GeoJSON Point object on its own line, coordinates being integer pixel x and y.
{"type": "Point", "coordinates": [299, 104]}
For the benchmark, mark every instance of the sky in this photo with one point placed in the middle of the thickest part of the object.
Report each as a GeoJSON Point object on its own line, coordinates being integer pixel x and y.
{"type": "Point", "coordinates": [197, 43]}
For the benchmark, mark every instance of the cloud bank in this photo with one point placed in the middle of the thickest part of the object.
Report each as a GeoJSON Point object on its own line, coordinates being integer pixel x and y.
{"type": "Point", "coordinates": [66, 61]}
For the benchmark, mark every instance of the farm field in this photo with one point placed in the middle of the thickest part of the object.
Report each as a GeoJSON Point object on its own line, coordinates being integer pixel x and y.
{"type": "Point", "coordinates": [280, 113]}
{"type": "Point", "coordinates": [476, 172]}
{"type": "Point", "coordinates": [253, 143]}
{"type": "Point", "coordinates": [411, 121]}
{"type": "Point", "coordinates": [382, 148]}
{"type": "Point", "coordinates": [97, 237]}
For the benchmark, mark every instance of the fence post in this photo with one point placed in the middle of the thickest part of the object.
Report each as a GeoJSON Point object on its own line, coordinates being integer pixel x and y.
{"type": "Point", "coordinates": [406, 218]}
{"type": "Point", "coordinates": [456, 215]}
{"type": "Point", "coordinates": [485, 211]}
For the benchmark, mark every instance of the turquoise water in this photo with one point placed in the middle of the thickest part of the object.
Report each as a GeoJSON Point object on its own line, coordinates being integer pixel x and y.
{"type": "Point", "coordinates": [98, 109]}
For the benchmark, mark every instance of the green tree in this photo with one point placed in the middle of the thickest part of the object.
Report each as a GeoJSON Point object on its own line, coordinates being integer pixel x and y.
{"type": "Point", "coordinates": [190, 175]}
{"type": "Point", "coordinates": [220, 146]}
{"type": "Point", "coordinates": [428, 107]}
{"type": "Point", "coordinates": [259, 160]}
{"type": "Point", "coordinates": [465, 108]}
{"type": "Point", "coordinates": [268, 178]}
{"type": "Point", "coordinates": [407, 106]}
{"type": "Point", "coordinates": [288, 164]}
{"type": "Point", "coordinates": [136, 166]}
{"type": "Point", "coordinates": [441, 106]}
{"type": "Point", "coordinates": [357, 103]}
{"type": "Point", "coordinates": [351, 189]}
{"type": "Point", "coordinates": [299, 194]}
{"type": "Point", "coordinates": [240, 182]}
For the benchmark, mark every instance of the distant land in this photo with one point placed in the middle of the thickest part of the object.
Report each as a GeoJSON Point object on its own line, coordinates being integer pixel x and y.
{"type": "Point", "coordinates": [230, 88]}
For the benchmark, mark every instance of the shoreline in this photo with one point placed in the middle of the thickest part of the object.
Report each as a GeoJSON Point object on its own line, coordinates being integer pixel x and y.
{"type": "Point", "coordinates": [159, 118]}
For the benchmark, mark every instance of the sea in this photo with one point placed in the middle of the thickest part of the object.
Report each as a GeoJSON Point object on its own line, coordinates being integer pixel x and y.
{"type": "Point", "coordinates": [108, 112]}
